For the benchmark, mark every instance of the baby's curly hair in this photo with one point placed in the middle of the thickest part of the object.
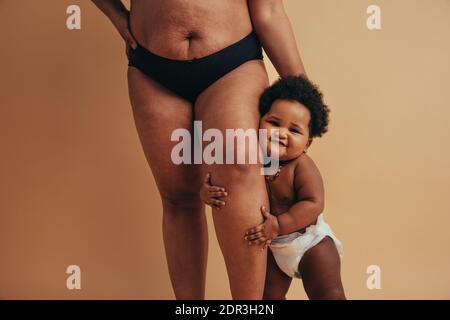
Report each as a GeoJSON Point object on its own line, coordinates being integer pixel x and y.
{"type": "Point", "coordinates": [300, 89]}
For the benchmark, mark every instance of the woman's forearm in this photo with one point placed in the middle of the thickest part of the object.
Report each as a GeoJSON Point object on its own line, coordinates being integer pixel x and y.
{"type": "Point", "coordinates": [111, 8]}
{"type": "Point", "coordinates": [119, 16]}
{"type": "Point", "coordinates": [277, 38]}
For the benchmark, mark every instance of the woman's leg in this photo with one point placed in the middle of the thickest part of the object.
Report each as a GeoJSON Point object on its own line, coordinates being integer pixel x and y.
{"type": "Point", "coordinates": [277, 282]}
{"type": "Point", "coordinates": [230, 103]}
{"type": "Point", "coordinates": [157, 112]}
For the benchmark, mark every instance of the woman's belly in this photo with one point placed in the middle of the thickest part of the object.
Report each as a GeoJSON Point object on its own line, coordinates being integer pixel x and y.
{"type": "Point", "coordinates": [187, 29]}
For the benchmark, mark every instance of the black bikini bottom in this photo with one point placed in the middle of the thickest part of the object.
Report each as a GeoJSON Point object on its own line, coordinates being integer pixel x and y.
{"type": "Point", "coordinates": [188, 78]}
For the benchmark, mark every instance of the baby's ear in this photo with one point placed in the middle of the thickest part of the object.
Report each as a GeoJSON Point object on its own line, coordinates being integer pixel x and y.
{"type": "Point", "coordinates": [310, 141]}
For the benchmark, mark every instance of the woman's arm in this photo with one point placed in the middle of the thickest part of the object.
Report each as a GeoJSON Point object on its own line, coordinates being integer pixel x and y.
{"type": "Point", "coordinates": [275, 32]}
{"type": "Point", "coordinates": [119, 15]}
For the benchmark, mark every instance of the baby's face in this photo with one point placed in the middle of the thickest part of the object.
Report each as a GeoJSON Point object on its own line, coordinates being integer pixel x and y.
{"type": "Point", "coordinates": [290, 119]}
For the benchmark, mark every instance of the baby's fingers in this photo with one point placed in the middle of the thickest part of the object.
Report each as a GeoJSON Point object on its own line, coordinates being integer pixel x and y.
{"type": "Point", "coordinates": [217, 203]}
{"type": "Point", "coordinates": [216, 189]}
{"type": "Point", "coordinates": [257, 241]}
{"type": "Point", "coordinates": [255, 229]}
{"type": "Point", "coordinates": [254, 236]}
{"type": "Point", "coordinates": [217, 194]}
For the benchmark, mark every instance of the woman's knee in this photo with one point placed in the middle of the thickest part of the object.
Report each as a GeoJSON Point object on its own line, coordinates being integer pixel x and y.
{"type": "Point", "coordinates": [180, 200]}
{"type": "Point", "coordinates": [239, 173]}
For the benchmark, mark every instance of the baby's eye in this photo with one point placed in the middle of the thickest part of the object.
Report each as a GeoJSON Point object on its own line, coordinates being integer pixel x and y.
{"type": "Point", "coordinates": [273, 122]}
{"type": "Point", "coordinates": [295, 131]}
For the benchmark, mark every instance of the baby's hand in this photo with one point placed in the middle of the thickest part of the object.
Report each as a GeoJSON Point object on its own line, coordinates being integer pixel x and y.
{"type": "Point", "coordinates": [210, 194]}
{"type": "Point", "coordinates": [265, 232]}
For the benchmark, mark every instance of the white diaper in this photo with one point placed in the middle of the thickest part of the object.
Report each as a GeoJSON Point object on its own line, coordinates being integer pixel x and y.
{"type": "Point", "coordinates": [289, 249]}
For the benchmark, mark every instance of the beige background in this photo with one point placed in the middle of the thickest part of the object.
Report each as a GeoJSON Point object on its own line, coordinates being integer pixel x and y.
{"type": "Point", "coordinates": [75, 187]}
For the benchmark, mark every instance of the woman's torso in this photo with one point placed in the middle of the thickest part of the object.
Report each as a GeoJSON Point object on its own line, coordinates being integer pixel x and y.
{"type": "Point", "coordinates": [187, 29]}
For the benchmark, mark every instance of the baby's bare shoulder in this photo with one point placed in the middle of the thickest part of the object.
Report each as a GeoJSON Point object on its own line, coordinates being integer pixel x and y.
{"type": "Point", "coordinates": [306, 171]}
{"type": "Point", "coordinates": [305, 162]}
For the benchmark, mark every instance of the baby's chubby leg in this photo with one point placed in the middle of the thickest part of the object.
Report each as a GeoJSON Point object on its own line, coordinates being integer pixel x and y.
{"type": "Point", "coordinates": [320, 269]}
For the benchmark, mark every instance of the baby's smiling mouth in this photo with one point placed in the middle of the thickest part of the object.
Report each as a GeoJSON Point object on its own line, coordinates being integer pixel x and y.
{"type": "Point", "coordinates": [276, 140]}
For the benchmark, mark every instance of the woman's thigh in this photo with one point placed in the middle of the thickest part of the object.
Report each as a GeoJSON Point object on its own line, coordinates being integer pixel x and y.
{"type": "Point", "coordinates": [157, 113]}
{"type": "Point", "coordinates": [232, 103]}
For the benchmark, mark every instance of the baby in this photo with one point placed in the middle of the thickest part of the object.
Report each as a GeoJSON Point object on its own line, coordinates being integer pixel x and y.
{"type": "Point", "coordinates": [301, 244]}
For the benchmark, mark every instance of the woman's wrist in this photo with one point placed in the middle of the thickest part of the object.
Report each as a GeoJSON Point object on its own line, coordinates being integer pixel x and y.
{"type": "Point", "coordinates": [113, 9]}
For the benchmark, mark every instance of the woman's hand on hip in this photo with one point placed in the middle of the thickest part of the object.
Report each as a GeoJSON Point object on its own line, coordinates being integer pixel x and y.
{"type": "Point", "coordinates": [121, 22]}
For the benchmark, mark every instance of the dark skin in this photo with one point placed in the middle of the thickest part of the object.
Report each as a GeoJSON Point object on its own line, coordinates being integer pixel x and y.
{"type": "Point", "coordinates": [296, 200]}
{"type": "Point", "coordinates": [183, 30]}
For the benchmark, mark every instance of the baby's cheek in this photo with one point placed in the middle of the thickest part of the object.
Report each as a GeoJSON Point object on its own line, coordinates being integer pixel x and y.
{"type": "Point", "coordinates": [301, 143]}
{"type": "Point", "coordinates": [295, 149]}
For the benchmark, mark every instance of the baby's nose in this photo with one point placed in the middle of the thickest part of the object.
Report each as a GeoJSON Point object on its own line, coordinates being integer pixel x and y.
{"type": "Point", "coordinates": [282, 134]}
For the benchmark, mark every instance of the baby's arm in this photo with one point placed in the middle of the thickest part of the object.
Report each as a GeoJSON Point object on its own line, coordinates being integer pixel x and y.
{"type": "Point", "coordinates": [310, 194]}
{"type": "Point", "coordinates": [210, 194]}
